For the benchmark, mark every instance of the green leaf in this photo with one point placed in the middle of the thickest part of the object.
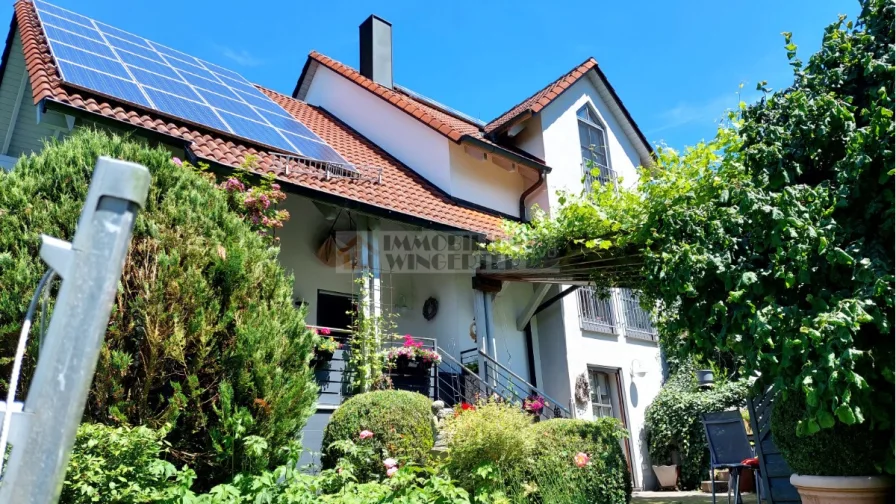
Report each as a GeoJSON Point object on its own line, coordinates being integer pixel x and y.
{"type": "Point", "coordinates": [845, 414]}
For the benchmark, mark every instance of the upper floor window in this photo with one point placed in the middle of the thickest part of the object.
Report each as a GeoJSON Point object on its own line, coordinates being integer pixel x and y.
{"type": "Point", "coordinates": [593, 139]}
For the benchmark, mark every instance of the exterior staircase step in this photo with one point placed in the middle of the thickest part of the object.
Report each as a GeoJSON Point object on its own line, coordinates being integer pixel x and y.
{"type": "Point", "coordinates": [721, 486]}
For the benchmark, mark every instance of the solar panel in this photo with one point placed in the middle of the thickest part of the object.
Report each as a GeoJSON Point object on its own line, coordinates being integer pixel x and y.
{"type": "Point", "coordinates": [112, 62]}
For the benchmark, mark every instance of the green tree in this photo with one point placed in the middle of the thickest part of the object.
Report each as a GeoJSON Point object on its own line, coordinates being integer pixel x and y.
{"type": "Point", "coordinates": [774, 241]}
{"type": "Point", "coordinates": [203, 335]}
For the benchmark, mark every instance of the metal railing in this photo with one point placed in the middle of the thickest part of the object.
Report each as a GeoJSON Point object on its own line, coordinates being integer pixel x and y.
{"type": "Point", "coordinates": [604, 175]}
{"type": "Point", "coordinates": [494, 380]}
{"type": "Point", "coordinates": [637, 320]}
{"type": "Point", "coordinates": [596, 314]}
{"type": "Point", "coordinates": [290, 163]}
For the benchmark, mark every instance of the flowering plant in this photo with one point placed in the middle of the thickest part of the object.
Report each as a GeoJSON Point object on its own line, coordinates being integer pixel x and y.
{"type": "Point", "coordinates": [327, 345]}
{"type": "Point", "coordinates": [534, 404]}
{"type": "Point", "coordinates": [462, 407]}
{"type": "Point", "coordinates": [412, 351]}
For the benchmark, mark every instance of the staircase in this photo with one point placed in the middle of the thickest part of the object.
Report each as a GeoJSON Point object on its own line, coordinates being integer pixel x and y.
{"type": "Point", "coordinates": [477, 376]}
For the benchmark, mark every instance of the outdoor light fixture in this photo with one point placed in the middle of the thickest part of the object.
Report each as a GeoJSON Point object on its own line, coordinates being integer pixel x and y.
{"type": "Point", "coordinates": [638, 370]}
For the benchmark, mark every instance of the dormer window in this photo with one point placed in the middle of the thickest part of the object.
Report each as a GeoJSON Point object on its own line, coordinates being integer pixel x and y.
{"type": "Point", "coordinates": [593, 138]}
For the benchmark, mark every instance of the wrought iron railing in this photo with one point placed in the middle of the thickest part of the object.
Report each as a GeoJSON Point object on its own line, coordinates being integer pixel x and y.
{"type": "Point", "coordinates": [596, 314]}
{"type": "Point", "coordinates": [604, 175]}
{"type": "Point", "coordinates": [637, 320]}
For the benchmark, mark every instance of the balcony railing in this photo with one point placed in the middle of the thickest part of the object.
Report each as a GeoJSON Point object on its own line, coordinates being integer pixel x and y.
{"type": "Point", "coordinates": [637, 321]}
{"type": "Point", "coordinates": [604, 175]}
{"type": "Point", "coordinates": [621, 313]}
{"type": "Point", "coordinates": [596, 314]}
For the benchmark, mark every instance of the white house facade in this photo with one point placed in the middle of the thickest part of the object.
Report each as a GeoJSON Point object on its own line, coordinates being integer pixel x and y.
{"type": "Point", "coordinates": [413, 169]}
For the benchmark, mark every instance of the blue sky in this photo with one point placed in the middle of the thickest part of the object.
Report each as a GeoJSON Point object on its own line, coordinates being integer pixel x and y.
{"type": "Point", "coordinates": [676, 65]}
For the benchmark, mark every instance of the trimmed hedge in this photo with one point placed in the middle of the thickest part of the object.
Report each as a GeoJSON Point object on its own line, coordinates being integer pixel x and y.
{"type": "Point", "coordinates": [854, 450]}
{"type": "Point", "coordinates": [203, 334]}
{"type": "Point", "coordinates": [605, 480]}
{"type": "Point", "coordinates": [401, 423]}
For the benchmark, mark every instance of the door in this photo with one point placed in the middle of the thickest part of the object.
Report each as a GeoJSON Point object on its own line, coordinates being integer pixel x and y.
{"type": "Point", "coordinates": [335, 309]}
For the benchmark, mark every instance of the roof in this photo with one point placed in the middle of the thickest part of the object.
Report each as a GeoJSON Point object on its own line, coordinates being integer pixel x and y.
{"type": "Point", "coordinates": [451, 126]}
{"type": "Point", "coordinates": [541, 99]}
{"type": "Point", "coordinates": [401, 191]}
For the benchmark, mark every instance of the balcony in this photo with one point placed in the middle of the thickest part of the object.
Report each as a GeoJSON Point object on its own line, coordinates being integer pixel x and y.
{"type": "Point", "coordinates": [604, 175]}
{"type": "Point", "coordinates": [596, 314]}
{"type": "Point", "coordinates": [637, 321]}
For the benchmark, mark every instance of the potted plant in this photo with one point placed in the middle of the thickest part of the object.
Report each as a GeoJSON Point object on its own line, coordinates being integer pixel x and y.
{"type": "Point", "coordinates": [534, 405]}
{"type": "Point", "coordinates": [666, 475]}
{"type": "Point", "coordinates": [411, 358]}
{"type": "Point", "coordinates": [473, 367]}
{"type": "Point", "coordinates": [324, 350]}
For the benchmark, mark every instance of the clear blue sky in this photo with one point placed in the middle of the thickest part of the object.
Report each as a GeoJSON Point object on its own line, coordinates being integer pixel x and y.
{"type": "Point", "coordinates": [675, 64]}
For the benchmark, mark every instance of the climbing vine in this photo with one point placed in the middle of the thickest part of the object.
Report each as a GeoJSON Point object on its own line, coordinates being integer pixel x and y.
{"type": "Point", "coordinates": [773, 241]}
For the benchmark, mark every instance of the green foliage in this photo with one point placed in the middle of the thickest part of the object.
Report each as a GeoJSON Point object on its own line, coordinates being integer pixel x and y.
{"type": "Point", "coordinates": [488, 446]}
{"type": "Point", "coordinates": [774, 241]}
{"type": "Point", "coordinates": [673, 422]}
{"type": "Point", "coordinates": [855, 451]}
{"type": "Point", "coordinates": [122, 464]}
{"type": "Point", "coordinates": [368, 331]}
{"type": "Point", "coordinates": [401, 423]}
{"type": "Point", "coordinates": [286, 485]}
{"type": "Point", "coordinates": [203, 334]}
{"type": "Point", "coordinates": [605, 479]}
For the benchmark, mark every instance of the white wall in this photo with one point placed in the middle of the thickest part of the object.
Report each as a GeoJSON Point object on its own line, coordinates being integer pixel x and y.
{"type": "Point", "coordinates": [406, 138]}
{"type": "Point", "coordinates": [586, 349]}
{"type": "Point", "coordinates": [562, 149]}
{"type": "Point", "coordinates": [482, 182]}
{"type": "Point", "coordinates": [552, 352]}
{"type": "Point", "coordinates": [509, 342]}
{"type": "Point", "coordinates": [300, 238]}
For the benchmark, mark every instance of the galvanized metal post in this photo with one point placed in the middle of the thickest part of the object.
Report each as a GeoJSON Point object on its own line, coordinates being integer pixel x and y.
{"type": "Point", "coordinates": [90, 268]}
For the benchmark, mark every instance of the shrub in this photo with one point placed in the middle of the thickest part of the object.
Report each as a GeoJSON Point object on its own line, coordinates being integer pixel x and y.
{"type": "Point", "coordinates": [855, 449]}
{"type": "Point", "coordinates": [605, 477]}
{"type": "Point", "coordinates": [121, 464]}
{"type": "Point", "coordinates": [203, 334]}
{"type": "Point", "coordinates": [489, 446]}
{"type": "Point", "coordinates": [673, 422]}
{"type": "Point", "coordinates": [401, 424]}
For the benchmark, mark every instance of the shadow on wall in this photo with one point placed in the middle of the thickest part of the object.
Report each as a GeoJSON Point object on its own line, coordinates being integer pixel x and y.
{"type": "Point", "coordinates": [633, 394]}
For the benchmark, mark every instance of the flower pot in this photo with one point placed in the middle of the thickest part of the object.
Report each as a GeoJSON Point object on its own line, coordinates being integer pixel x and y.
{"type": "Point", "coordinates": [843, 489]}
{"type": "Point", "coordinates": [412, 366]}
{"type": "Point", "coordinates": [666, 475]}
{"type": "Point", "coordinates": [705, 377]}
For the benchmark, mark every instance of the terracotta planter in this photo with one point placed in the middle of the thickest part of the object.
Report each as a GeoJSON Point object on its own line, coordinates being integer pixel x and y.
{"type": "Point", "coordinates": [843, 489]}
{"type": "Point", "coordinates": [667, 475]}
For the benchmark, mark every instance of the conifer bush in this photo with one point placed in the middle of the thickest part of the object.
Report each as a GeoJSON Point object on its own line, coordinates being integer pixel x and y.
{"type": "Point", "coordinates": [203, 335]}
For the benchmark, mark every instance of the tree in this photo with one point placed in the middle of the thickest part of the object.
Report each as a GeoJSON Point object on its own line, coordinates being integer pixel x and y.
{"type": "Point", "coordinates": [774, 241]}
{"type": "Point", "coordinates": [203, 335]}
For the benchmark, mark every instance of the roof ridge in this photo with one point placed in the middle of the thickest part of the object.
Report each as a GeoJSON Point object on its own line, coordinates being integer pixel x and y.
{"type": "Point", "coordinates": [508, 115]}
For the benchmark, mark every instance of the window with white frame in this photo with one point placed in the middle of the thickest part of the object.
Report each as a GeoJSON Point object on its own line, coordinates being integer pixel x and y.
{"type": "Point", "coordinates": [601, 398]}
{"type": "Point", "coordinates": [593, 140]}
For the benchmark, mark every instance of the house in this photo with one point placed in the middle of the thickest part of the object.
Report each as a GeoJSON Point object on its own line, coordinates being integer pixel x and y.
{"type": "Point", "coordinates": [379, 179]}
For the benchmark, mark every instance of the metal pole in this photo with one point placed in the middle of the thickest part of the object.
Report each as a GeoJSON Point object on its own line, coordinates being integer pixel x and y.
{"type": "Point", "coordinates": [90, 268]}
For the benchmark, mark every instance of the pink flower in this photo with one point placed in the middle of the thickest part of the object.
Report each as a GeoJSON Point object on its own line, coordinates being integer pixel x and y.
{"type": "Point", "coordinates": [391, 471]}
{"type": "Point", "coordinates": [365, 434]}
{"type": "Point", "coordinates": [177, 161]}
{"type": "Point", "coordinates": [581, 459]}
{"type": "Point", "coordinates": [390, 463]}
{"type": "Point", "coordinates": [324, 330]}
{"type": "Point", "coordinates": [275, 187]}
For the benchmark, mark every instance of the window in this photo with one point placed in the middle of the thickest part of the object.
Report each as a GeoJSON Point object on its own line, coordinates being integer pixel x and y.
{"type": "Point", "coordinates": [596, 314]}
{"type": "Point", "coordinates": [637, 320]}
{"type": "Point", "coordinates": [593, 139]}
{"type": "Point", "coordinates": [601, 399]}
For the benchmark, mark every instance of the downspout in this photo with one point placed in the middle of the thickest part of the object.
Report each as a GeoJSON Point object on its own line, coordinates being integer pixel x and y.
{"type": "Point", "coordinates": [538, 183]}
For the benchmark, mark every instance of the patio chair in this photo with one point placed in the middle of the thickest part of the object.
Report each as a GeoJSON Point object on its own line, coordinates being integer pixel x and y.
{"type": "Point", "coordinates": [728, 448]}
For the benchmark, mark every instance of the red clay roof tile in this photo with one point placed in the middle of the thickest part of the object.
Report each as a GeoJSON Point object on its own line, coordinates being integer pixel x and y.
{"type": "Point", "coordinates": [401, 190]}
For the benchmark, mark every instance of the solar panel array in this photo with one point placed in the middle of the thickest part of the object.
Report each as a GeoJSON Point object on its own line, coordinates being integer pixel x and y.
{"type": "Point", "coordinates": [118, 64]}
